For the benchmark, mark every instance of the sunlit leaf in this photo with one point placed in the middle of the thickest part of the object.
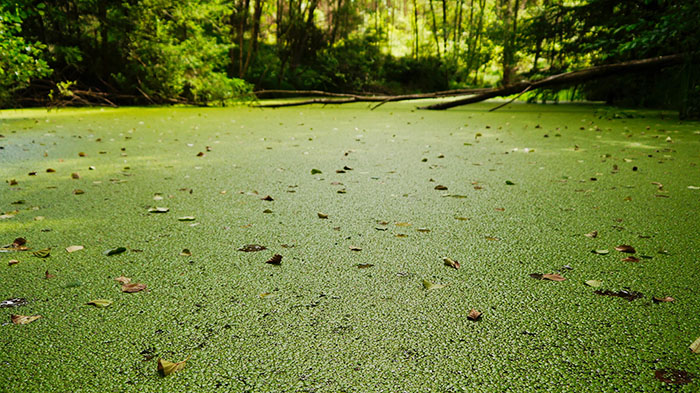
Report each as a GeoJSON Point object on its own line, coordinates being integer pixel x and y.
{"type": "Point", "coordinates": [133, 287]}
{"type": "Point", "coordinates": [267, 294]}
{"type": "Point", "coordinates": [74, 248]}
{"type": "Point", "coordinates": [601, 252]}
{"type": "Point", "coordinates": [101, 303]}
{"type": "Point", "coordinates": [23, 319]}
{"type": "Point", "coordinates": [594, 283]}
{"type": "Point", "coordinates": [12, 262]}
{"type": "Point", "coordinates": [695, 346]}
{"type": "Point", "coordinates": [665, 299]}
{"type": "Point", "coordinates": [592, 234]}
{"type": "Point", "coordinates": [166, 368]}
{"type": "Point", "coordinates": [451, 262]}
{"type": "Point", "coordinates": [114, 251]}
{"type": "Point", "coordinates": [123, 280]}
{"type": "Point", "coordinates": [158, 210]}
{"type": "Point", "coordinates": [186, 218]}
{"type": "Point", "coordinates": [428, 286]}
{"type": "Point", "coordinates": [355, 248]}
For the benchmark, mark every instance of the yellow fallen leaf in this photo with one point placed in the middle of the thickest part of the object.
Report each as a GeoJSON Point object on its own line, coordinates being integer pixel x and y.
{"type": "Point", "coordinates": [74, 248]}
{"type": "Point", "coordinates": [100, 302]}
{"type": "Point", "coordinates": [166, 368]}
{"type": "Point", "coordinates": [695, 346]}
{"type": "Point", "coordinates": [23, 319]}
{"type": "Point", "coordinates": [123, 280]}
{"type": "Point", "coordinates": [427, 285]}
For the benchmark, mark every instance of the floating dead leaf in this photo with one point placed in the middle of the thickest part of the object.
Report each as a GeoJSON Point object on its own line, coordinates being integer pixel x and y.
{"type": "Point", "coordinates": [474, 315]}
{"type": "Point", "coordinates": [672, 376]}
{"type": "Point", "coordinates": [600, 252]}
{"type": "Point", "coordinates": [451, 262]}
{"type": "Point", "coordinates": [114, 251]}
{"type": "Point", "coordinates": [625, 248]}
{"type": "Point", "coordinates": [695, 346]}
{"type": "Point", "coordinates": [267, 294]}
{"type": "Point", "coordinates": [315, 171]}
{"type": "Point", "coordinates": [594, 283]}
{"type": "Point", "coordinates": [101, 303]}
{"type": "Point", "coordinates": [592, 234]}
{"type": "Point", "coordinates": [159, 210]}
{"type": "Point", "coordinates": [275, 260]}
{"type": "Point", "coordinates": [74, 248]}
{"type": "Point", "coordinates": [322, 215]}
{"type": "Point", "coordinates": [18, 242]}
{"type": "Point", "coordinates": [510, 183]}
{"type": "Point", "coordinates": [364, 265]}
{"type": "Point", "coordinates": [45, 253]}
{"type": "Point", "coordinates": [491, 238]}
{"type": "Point", "coordinates": [355, 248]}
{"type": "Point", "coordinates": [630, 259]}
{"type": "Point", "coordinates": [82, 154]}
{"type": "Point", "coordinates": [252, 248]}
{"type": "Point", "coordinates": [201, 154]}
{"type": "Point", "coordinates": [268, 198]}
{"type": "Point", "coordinates": [186, 218]}
{"type": "Point", "coordinates": [424, 230]}
{"type": "Point", "coordinates": [428, 285]}
{"type": "Point", "coordinates": [462, 218]}
{"type": "Point", "coordinates": [133, 287]}
{"type": "Point", "coordinates": [13, 182]}
{"type": "Point", "coordinates": [12, 262]}
{"type": "Point", "coordinates": [665, 299]}
{"type": "Point", "coordinates": [625, 294]}
{"type": "Point", "coordinates": [78, 191]}
{"type": "Point", "coordinates": [50, 170]}
{"type": "Point", "coordinates": [48, 275]}
{"type": "Point", "coordinates": [23, 319]}
{"type": "Point", "coordinates": [401, 235]}
{"type": "Point", "coordinates": [550, 277]}
{"type": "Point", "coordinates": [440, 187]}
{"type": "Point", "coordinates": [500, 209]}
{"type": "Point", "coordinates": [75, 175]}
{"type": "Point", "coordinates": [267, 211]}
{"type": "Point", "coordinates": [186, 252]}
{"type": "Point", "coordinates": [403, 224]}
{"type": "Point", "coordinates": [123, 280]}
{"type": "Point", "coordinates": [166, 368]}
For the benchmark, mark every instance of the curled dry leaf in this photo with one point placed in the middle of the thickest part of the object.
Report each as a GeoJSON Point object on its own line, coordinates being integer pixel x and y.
{"type": "Point", "coordinates": [592, 234]}
{"type": "Point", "coordinates": [18, 242]}
{"type": "Point", "coordinates": [665, 299]}
{"type": "Point", "coordinates": [12, 262]}
{"type": "Point", "coordinates": [158, 210]}
{"type": "Point", "coordinates": [23, 319]}
{"type": "Point", "coordinates": [186, 252]}
{"type": "Point", "coordinates": [275, 260]}
{"type": "Point", "coordinates": [252, 248]}
{"type": "Point", "coordinates": [630, 259]}
{"type": "Point", "coordinates": [268, 198]}
{"type": "Point", "coordinates": [133, 287]}
{"type": "Point", "coordinates": [74, 248]}
{"type": "Point", "coordinates": [322, 215]}
{"type": "Point", "coordinates": [100, 303]}
{"type": "Point", "coordinates": [474, 315]}
{"type": "Point", "coordinates": [451, 262]}
{"type": "Point", "coordinates": [695, 346]}
{"type": "Point", "coordinates": [186, 218]}
{"type": "Point", "coordinates": [440, 187]}
{"type": "Point", "coordinates": [75, 175]}
{"type": "Point", "coordinates": [355, 248]}
{"type": "Point", "coordinates": [550, 277]}
{"type": "Point", "coordinates": [166, 368]}
{"type": "Point", "coordinates": [625, 248]}
{"type": "Point", "coordinates": [123, 280]}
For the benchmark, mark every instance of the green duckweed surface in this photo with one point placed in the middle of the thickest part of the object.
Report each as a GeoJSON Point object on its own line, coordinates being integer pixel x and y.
{"type": "Point", "coordinates": [317, 322]}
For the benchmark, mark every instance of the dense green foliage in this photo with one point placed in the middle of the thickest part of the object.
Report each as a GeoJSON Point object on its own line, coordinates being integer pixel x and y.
{"type": "Point", "coordinates": [213, 51]}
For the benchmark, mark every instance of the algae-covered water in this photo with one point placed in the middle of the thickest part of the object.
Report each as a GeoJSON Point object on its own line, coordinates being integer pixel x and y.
{"type": "Point", "coordinates": [318, 322]}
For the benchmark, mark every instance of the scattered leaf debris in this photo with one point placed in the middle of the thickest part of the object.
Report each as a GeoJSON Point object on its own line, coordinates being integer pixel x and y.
{"type": "Point", "coordinates": [133, 287]}
{"type": "Point", "coordinates": [23, 319]}
{"type": "Point", "coordinates": [74, 248]}
{"type": "Point", "coordinates": [275, 260]}
{"type": "Point", "coordinates": [322, 215]}
{"type": "Point", "coordinates": [673, 376]}
{"type": "Point", "coordinates": [159, 210]}
{"type": "Point", "coordinates": [592, 234]}
{"type": "Point", "coordinates": [665, 299]}
{"type": "Point", "coordinates": [451, 262]}
{"type": "Point", "coordinates": [14, 302]}
{"type": "Point", "coordinates": [252, 248]}
{"type": "Point", "coordinates": [474, 315]}
{"type": "Point", "coordinates": [364, 265]}
{"type": "Point", "coordinates": [626, 248]}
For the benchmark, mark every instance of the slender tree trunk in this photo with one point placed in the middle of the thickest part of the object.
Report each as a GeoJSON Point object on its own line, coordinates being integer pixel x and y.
{"type": "Point", "coordinates": [458, 30]}
{"type": "Point", "coordinates": [444, 27]}
{"type": "Point", "coordinates": [243, 12]}
{"type": "Point", "coordinates": [253, 43]}
{"type": "Point", "coordinates": [415, 28]}
{"type": "Point", "coordinates": [435, 33]}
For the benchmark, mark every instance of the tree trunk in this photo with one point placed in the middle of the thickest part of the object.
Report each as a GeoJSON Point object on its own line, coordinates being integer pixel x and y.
{"type": "Point", "coordinates": [435, 33]}
{"type": "Point", "coordinates": [253, 43]}
{"type": "Point", "coordinates": [415, 25]}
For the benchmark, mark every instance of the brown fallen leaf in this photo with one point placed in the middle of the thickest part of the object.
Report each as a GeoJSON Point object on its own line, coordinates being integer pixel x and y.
{"type": "Point", "coordinates": [672, 376]}
{"type": "Point", "coordinates": [268, 198]}
{"type": "Point", "coordinates": [48, 275]}
{"type": "Point", "coordinates": [275, 260]}
{"type": "Point", "coordinates": [186, 252]}
{"type": "Point", "coordinates": [12, 262]}
{"type": "Point", "coordinates": [451, 263]}
{"type": "Point", "coordinates": [23, 319]}
{"type": "Point", "coordinates": [355, 248]}
{"type": "Point", "coordinates": [78, 191]}
{"type": "Point", "coordinates": [550, 277]}
{"type": "Point", "coordinates": [474, 314]}
{"type": "Point", "coordinates": [123, 280]}
{"type": "Point", "coordinates": [364, 265]}
{"type": "Point", "coordinates": [630, 259]}
{"type": "Point", "coordinates": [592, 234]}
{"type": "Point", "coordinates": [200, 154]}
{"type": "Point", "coordinates": [322, 215]}
{"type": "Point", "coordinates": [440, 187]}
{"type": "Point", "coordinates": [625, 248]}
{"type": "Point", "coordinates": [19, 242]}
{"type": "Point", "coordinates": [50, 170]}
{"type": "Point", "coordinates": [75, 175]}
{"type": "Point", "coordinates": [500, 209]}
{"type": "Point", "coordinates": [665, 299]}
{"type": "Point", "coordinates": [133, 287]}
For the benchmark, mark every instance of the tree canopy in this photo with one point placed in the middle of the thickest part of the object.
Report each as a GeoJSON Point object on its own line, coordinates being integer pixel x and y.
{"type": "Point", "coordinates": [211, 52]}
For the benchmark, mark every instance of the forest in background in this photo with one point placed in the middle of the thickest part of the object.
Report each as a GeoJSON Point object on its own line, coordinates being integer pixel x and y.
{"type": "Point", "coordinates": [210, 52]}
